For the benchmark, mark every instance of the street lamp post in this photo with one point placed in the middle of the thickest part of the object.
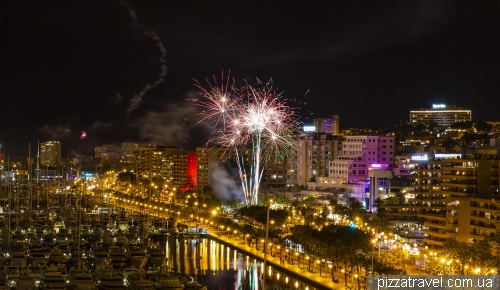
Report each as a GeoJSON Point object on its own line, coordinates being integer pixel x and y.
{"type": "Point", "coordinates": [373, 255]}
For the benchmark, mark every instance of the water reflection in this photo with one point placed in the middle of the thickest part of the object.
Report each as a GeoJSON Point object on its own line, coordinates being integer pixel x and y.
{"type": "Point", "coordinates": [221, 267]}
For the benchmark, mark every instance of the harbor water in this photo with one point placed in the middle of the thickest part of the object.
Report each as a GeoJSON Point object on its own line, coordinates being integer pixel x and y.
{"type": "Point", "coordinates": [220, 266]}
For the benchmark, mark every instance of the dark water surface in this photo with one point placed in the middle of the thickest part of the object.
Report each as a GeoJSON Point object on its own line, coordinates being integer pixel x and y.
{"type": "Point", "coordinates": [223, 267]}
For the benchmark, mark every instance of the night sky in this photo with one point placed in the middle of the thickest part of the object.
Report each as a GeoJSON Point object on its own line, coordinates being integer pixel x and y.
{"type": "Point", "coordinates": [73, 66]}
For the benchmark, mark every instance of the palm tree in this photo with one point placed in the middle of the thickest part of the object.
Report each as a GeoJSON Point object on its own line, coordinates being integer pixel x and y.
{"type": "Point", "coordinates": [451, 246]}
{"type": "Point", "coordinates": [380, 224]}
{"type": "Point", "coordinates": [494, 242]}
{"type": "Point", "coordinates": [403, 257]}
{"type": "Point", "coordinates": [480, 254]}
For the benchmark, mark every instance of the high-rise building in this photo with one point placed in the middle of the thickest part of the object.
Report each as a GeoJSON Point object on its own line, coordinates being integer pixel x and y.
{"type": "Point", "coordinates": [109, 154]}
{"type": "Point", "coordinates": [441, 115]}
{"type": "Point", "coordinates": [275, 171]}
{"type": "Point", "coordinates": [128, 154]}
{"type": "Point", "coordinates": [310, 158]}
{"type": "Point", "coordinates": [166, 163]}
{"type": "Point", "coordinates": [453, 196]}
{"type": "Point", "coordinates": [50, 153]}
{"type": "Point", "coordinates": [327, 125]}
{"type": "Point", "coordinates": [106, 149]}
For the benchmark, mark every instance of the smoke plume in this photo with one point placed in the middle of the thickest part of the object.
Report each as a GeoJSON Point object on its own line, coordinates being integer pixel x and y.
{"type": "Point", "coordinates": [137, 99]}
{"type": "Point", "coordinates": [224, 186]}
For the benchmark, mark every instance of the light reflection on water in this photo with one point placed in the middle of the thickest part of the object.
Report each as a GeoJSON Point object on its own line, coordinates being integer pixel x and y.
{"type": "Point", "coordinates": [223, 267]}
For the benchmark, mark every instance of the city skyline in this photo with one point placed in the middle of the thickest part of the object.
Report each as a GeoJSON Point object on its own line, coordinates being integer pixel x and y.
{"type": "Point", "coordinates": [122, 71]}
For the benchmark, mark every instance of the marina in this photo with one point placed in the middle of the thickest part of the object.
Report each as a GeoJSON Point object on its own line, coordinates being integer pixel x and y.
{"type": "Point", "coordinates": [59, 249]}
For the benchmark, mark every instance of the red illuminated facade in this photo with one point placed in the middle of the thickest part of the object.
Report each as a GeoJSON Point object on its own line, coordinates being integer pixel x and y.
{"type": "Point", "coordinates": [191, 170]}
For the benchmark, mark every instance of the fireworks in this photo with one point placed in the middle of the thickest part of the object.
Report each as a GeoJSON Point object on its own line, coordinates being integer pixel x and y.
{"type": "Point", "coordinates": [252, 117]}
{"type": "Point", "coordinates": [83, 135]}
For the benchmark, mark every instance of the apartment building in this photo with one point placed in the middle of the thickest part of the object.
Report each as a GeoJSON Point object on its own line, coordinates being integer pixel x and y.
{"type": "Point", "coordinates": [310, 158]}
{"type": "Point", "coordinates": [455, 195]}
{"type": "Point", "coordinates": [50, 153]}
{"type": "Point", "coordinates": [157, 161]}
{"type": "Point", "coordinates": [128, 154]}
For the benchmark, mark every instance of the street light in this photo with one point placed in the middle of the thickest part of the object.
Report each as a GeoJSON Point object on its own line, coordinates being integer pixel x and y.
{"type": "Point", "coordinates": [373, 255]}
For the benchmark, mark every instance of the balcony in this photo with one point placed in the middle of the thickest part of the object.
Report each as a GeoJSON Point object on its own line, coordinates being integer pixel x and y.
{"type": "Point", "coordinates": [433, 216]}
{"type": "Point", "coordinates": [440, 225]}
{"type": "Point", "coordinates": [433, 241]}
{"type": "Point", "coordinates": [444, 234]}
{"type": "Point", "coordinates": [482, 226]}
{"type": "Point", "coordinates": [484, 206]}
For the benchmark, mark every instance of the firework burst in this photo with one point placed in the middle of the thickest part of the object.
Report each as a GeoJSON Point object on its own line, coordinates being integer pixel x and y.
{"type": "Point", "coordinates": [252, 117]}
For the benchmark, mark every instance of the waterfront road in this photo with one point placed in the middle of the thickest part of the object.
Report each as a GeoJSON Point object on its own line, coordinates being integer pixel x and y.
{"type": "Point", "coordinates": [325, 280]}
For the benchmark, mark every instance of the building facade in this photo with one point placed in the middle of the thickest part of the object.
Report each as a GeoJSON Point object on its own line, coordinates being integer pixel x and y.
{"type": "Point", "coordinates": [454, 196]}
{"type": "Point", "coordinates": [50, 153]}
{"type": "Point", "coordinates": [310, 158]}
{"type": "Point", "coordinates": [327, 125]}
{"type": "Point", "coordinates": [441, 115]}
{"type": "Point", "coordinates": [165, 164]}
{"type": "Point", "coordinates": [359, 153]}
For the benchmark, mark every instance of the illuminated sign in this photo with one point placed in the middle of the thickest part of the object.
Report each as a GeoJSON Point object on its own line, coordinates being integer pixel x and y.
{"type": "Point", "coordinates": [447, 156]}
{"type": "Point", "coordinates": [309, 128]}
{"type": "Point", "coordinates": [375, 165]}
{"type": "Point", "coordinates": [419, 157]}
{"type": "Point", "coordinates": [438, 106]}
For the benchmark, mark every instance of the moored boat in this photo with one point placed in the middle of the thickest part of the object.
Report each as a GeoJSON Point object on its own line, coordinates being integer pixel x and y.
{"type": "Point", "coordinates": [52, 279]}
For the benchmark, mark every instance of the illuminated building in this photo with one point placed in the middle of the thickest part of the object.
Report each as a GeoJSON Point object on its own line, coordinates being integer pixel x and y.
{"type": "Point", "coordinates": [191, 170]}
{"type": "Point", "coordinates": [310, 158]}
{"type": "Point", "coordinates": [128, 154]}
{"type": "Point", "coordinates": [109, 154]}
{"type": "Point", "coordinates": [327, 125]}
{"type": "Point", "coordinates": [50, 153]}
{"type": "Point", "coordinates": [166, 162]}
{"type": "Point", "coordinates": [441, 115]}
{"type": "Point", "coordinates": [453, 196]}
{"type": "Point", "coordinates": [358, 153]}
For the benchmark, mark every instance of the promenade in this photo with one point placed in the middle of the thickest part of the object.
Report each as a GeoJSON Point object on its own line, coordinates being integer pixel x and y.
{"type": "Point", "coordinates": [323, 282]}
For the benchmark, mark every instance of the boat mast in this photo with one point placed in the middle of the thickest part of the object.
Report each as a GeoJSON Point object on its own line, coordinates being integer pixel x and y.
{"type": "Point", "coordinates": [38, 172]}
{"type": "Point", "coordinates": [30, 200]}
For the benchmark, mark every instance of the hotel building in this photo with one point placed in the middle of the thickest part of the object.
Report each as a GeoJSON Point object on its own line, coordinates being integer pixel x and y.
{"type": "Point", "coordinates": [441, 115]}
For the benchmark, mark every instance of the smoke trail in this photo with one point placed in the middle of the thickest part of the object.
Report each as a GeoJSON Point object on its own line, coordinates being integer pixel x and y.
{"type": "Point", "coordinates": [224, 186]}
{"type": "Point", "coordinates": [137, 99]}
